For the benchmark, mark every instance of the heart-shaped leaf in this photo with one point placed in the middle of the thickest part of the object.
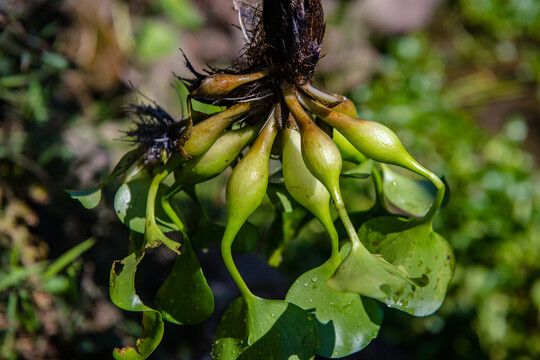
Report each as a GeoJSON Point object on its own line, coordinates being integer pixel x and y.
{"type": "Point", "coordinates": [130, 205]}
{"type": "Point", "coordinates": [414, 197]}
{"type": "Point", "coordinates": [346, 322]}
{"type": "Point", "coordinates": [421, 251]}
{"type": "Point", "coordinates": [371, 275]}
{"type": "Point", "coordinates": [265, 329]}
{"type": "Point", "coordinates": [185, 298]}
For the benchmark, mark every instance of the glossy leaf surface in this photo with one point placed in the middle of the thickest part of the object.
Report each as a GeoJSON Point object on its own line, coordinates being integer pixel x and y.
{"type": "Point", "coordinates": [372, 276]}
{"type": "Point", "coordinates": [185, 298]}
{"type": "Point", "coordinates": [123, 294]}
{"type": "Point", "coordinates": [89, 198]}
{"type": "Point", "coordinates": [149, 340]}
{"type": "Point", "coordinates": [346, 322]}
{"type": "Point", "coordinates": [130, 206]}
{"type": "Point", "coordinates": [267, 329]}
{"type": "Point", "coordinates": [411, 196]}
{"type": "Point", "coordinates": [421, 251]}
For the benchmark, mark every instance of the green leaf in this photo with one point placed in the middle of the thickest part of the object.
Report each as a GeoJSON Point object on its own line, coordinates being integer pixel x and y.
{"type": "Point", "coordinates": [361, 171]}
{"type": "Point", "coordinates": [247, 238]}
{"type": "Point", "coordinates": [123, 294]}
{"type": "Point", "coordinates": [245, 241]}
{"type": "Point", "coordinates": [284, 229]}
{"type": "Point", "coordinates": [207, 232]}
{"type": "Point", "coordinates": [185, 298]}
{"type": "Point", "coordinates": [280, 197]}
{"type": "Point", "coordinates": [147, 343]}
{"type": "Point", "coordinates": [124, 164]}
{"type": "Point", "coordinates": [130, 205]}
{"type": "Point", "coordinates": [265, 329]}
{"type": "Point", "coordinates": [346, 322]}
{"type": "Point", "coordinates": [372, 276]}
{"type": "Point", "coordinates": [89, 198]}
{"type": "Point", "coordinates": [358, 218]}
{"type": "Point", "coordinates": [122, 283]}
{"type": "Point", "coordinates": [414, 197]}
{"type": "Point", "coordinates": [421, 251]}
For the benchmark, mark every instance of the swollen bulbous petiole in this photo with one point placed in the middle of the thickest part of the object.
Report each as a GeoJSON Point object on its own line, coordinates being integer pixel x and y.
{"type": "Point", "coordinates": [214, 161]}
{"type": "Point", "coordinates": [326, 98]}
{"type": "Point", "coordinates": [377, 142]}
{"type": "Point", "coordinates": [304, 187]}
{"type": "Point", "coordinates": [219, 85]}
{"type": "Point", "coordinates": [206, 132]}
{"type": "Point", "coordinates": [246, 189]}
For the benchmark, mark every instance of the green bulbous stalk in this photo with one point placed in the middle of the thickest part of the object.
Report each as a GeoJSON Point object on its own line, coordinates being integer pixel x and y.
{"type": "Point", "coordinates": [346, 106]}
{"type": "Point", "coordinates": [329, 99]}
{"type": "Point", "coordinates": [321, 156]}
{"type": "Point", "coordinates": [319, 152]}
{"type": "Point", "coordinates": [372, 139]}
{"type": "Point", "coordinates": [205, 133]}
{"type": "Point", "coordinates": [304, 187]}
{"type": "Point", "coordinates": [218, 85]}
{"type": "Point", "coordinates": [246, 189]}
{"type": "Point", "coordinates": [152, 234]}
{"type": "Point", "coordinates": [213, 162]}
{"type": "Point", "coordinates": [347, 150]}
{"type": "Point", "coordinates": [377, 142]}
{"type": "Point", "coordinates": [202, 136]}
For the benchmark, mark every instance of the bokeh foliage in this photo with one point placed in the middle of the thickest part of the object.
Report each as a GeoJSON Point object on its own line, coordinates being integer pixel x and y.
{"type": "Point", "coordinates": [462, 94]}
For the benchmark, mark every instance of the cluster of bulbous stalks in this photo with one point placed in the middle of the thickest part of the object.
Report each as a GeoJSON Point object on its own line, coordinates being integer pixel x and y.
{"type": "Point", "coordinates": [315, 132]}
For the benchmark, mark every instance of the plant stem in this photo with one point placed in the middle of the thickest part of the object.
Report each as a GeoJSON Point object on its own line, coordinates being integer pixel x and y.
{"type": "Point", "coordinates": [378, 184]}
{"type": "Point", "coordinates": [151, 229]}
{"type": "Point", "coordinates": [226, 253]}
{"type": "Point", "coordinates": [340, 206]}
{"type": "Point", "coordinates": [173, 215]}
{"type": "Point", "coordinates": [328, 224]}
{"type": "Point", "coordinates": [420, 170]}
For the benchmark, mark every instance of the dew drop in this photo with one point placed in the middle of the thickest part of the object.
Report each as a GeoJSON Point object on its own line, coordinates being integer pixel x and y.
{"type": "Point", "coordinates": [315, 279]}
{"type": "Point", "coordinates": [305, 284]}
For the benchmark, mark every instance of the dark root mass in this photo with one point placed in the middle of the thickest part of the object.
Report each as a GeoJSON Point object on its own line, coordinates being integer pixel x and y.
{"type": "Point", "coordinates": [155, 132]}
{"type": "Point", "coordinates": [293, 30]}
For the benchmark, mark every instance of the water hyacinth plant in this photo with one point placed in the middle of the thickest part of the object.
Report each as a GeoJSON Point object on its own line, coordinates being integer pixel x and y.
{"type": "Point", "coordinates": [272, 110]}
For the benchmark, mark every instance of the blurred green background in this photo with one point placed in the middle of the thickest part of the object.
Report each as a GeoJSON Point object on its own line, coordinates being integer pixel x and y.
{"type": "Point", "coordinates": [457, 80]}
